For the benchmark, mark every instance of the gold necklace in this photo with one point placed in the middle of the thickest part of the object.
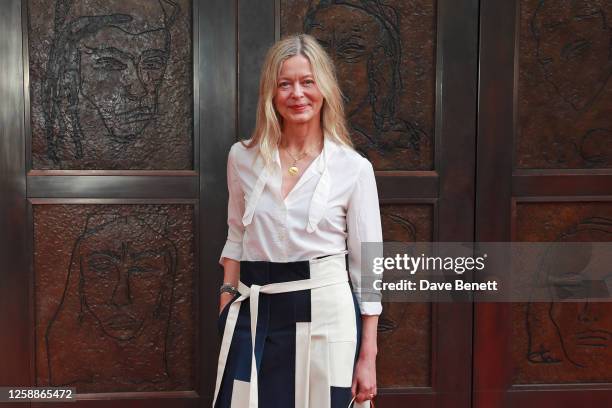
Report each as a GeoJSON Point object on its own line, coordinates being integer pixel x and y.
{"type": "Point", "coordinates": [293, 169]}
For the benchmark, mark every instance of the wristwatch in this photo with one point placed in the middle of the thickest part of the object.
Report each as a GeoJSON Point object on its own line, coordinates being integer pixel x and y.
{"type": "Point", "coordinates": [229, 288]}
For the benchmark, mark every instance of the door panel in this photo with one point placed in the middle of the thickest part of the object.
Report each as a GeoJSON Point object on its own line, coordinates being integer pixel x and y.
{"type": "Point", "coordinates": [564, 98]}
{"type": "Point", "coordinates": [392, 74]}
{"type": "Point", "coordinates": [402, 321]}
{"type": "Point", "coordinates": [101, 287]}
{"type": "Point", "coordinates": [111, 84]}
{"type": "Point", "coordinates": [543, 176]}
{"type": "Point", "coordinates": [113, 291]}
{"type": "Point", "coordinates": [387, 76]}
{"type": "Point", "coordinates": [562, 343]}
{"type": "Point", "coordinates": [150, 174]}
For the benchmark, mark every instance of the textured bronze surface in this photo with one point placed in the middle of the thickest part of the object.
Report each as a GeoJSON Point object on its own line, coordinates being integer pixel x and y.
{"type": "Point", "coordinates": [564, 89]}
{"type": "Point", "coordinates": [111, 84]}
{"type": "Point", "coordinates": [404, 329]}
{"type": "Point", "coordinates": [384, 55]}
{"type": "Point", "coordinates": [563, 342]}
{"type": "Point", "coordinates": [114, 297]}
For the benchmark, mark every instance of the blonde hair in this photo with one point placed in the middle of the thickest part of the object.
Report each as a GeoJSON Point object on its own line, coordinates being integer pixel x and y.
{"type": "Point", "coordinates": [267, 133]}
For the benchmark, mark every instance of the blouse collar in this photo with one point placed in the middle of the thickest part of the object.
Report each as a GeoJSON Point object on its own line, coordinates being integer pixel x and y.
{"type": "Point", "coordinates": [318, 203]}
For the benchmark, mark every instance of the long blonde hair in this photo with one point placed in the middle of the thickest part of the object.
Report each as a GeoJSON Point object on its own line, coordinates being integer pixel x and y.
{"type": "Point", "coordinates": [267, 133]}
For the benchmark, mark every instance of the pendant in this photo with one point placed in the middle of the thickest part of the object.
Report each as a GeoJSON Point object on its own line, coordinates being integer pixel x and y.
{"type": "Point", "coordinates": [293, 170]}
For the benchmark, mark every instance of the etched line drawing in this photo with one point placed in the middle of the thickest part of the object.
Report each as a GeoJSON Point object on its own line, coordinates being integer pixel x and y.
{"type": "Point", "coordinates": [363, 39]}
{"type": "Point", "coordinates": [577, 332]}
{"type": "Point", "coordinates": [114, 61]}
{"type": "Point", "coordinates": [571, 35]}
{"type": "Point", "coordinates": [114, 314]}
{"type": "Point", "coordinates": [573, 47]}
{"type": "Point", "coordinates": [595, 147]}
{"type": "Point", "coordinates": [390, 320]}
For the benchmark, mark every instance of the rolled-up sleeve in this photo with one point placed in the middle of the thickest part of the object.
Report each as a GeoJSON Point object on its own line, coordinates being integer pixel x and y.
{"type": "Point", "coordinates": [235, 210]}
{"type": "Point", "coordinates": [363, 225]}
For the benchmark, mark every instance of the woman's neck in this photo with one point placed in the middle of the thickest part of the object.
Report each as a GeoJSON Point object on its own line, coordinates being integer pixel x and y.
{"type": "Point", "coordinates": [300, 137]}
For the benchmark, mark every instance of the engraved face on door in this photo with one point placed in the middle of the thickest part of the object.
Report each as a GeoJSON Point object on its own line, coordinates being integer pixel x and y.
{"type": "Point", "coordinates": [363, 39]}
{"type": "Point", "coordinates": [583, 327]}
{"type": "Point", "coordinates": [121, 74]}
{"type": "Point", "coordinates": [359, 46]}
{"type": "Point", "coordinates": [125, 267]}
{"type": "Point", "coordinates": [114, 61]}
{"type": "Point", "coordinates": [118, 296]}
{"type": "Point", "coordinates": [573, 39]}
{"type": "Point", "coordinates": [111, 84]}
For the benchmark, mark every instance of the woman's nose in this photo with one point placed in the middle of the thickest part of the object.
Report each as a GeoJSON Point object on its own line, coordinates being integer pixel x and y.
{"type": "Point", "coordinates": [298, 92]}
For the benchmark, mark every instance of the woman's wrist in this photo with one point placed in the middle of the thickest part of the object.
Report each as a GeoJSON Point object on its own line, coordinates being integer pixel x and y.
{"type": "Point", "coordinates": [369, 346]}
{"type": "Point", "coordinates": [368, 351]}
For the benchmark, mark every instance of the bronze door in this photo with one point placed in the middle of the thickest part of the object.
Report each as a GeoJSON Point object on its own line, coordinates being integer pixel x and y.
{"type": "Point", "coordinates": [114, 133]}
{"type": "Point", "coordinates": [398, 64]}
{"type": "Point", "coordinates": [116, 121]}
{"type": "Point", "coordinates": [544, 159]}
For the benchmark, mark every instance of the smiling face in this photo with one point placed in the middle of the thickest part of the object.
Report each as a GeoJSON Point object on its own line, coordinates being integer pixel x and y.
{"type": "Point", "coordinates": [125, 270]}
{"type": "Point", "coordinates": [573, 46]}
{"type": "Point", "coordinates": [120, 74]}
{"type": "Point", "coordinates": [354, 40]}
{"type": "Point", "coordinates": [297, 98]}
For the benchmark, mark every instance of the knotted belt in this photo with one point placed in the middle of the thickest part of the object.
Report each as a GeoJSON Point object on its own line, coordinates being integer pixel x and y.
{"type": "Point", "coordinates": [252, 293]}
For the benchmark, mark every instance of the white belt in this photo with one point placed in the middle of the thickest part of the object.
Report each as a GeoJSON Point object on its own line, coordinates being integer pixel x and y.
{"type": "Point", "coordinates": [252, 293]}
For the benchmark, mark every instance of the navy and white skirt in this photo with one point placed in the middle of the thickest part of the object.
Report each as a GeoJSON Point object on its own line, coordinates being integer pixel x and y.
{"type": "Point", "coordinates": [306, 338]}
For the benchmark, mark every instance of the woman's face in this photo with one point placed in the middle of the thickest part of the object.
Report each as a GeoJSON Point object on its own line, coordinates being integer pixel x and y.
{"type": "Point", "coordinates": [124, 268]}
{"type": "Point", "coordinates": [351, 37]}
{"type": "Point", "coordinates": [297, 99]}
{"type": "Point", "coordinates": [120, 74]}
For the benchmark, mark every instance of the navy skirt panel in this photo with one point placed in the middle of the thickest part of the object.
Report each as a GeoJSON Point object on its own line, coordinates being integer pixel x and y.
{"type": "Point", "coordinates": [276, 337]}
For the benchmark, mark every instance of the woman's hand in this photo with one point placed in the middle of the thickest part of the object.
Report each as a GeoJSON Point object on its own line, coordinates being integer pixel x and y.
{"type": "Point", "coordinates": [364, 378]}
{"type": "Point", "coordinates": [231, 275]}
{"type": "Point", "coordinates": [224, 299]}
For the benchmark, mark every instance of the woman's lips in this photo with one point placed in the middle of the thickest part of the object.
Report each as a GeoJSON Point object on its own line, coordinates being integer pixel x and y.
{"type": "Point", "coordinates": [299, 108]}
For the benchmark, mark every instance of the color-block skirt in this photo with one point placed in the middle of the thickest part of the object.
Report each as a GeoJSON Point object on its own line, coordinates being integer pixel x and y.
{"type": "Point", "coordinates": [308, 329]}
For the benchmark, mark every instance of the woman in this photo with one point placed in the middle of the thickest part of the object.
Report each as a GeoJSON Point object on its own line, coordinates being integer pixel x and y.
{"type": "Point", "coordinates": [299, 198]}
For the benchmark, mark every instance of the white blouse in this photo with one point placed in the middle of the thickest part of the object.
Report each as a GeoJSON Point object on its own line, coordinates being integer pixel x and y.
{"type": "Point", "coordinates": [333, 207]}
